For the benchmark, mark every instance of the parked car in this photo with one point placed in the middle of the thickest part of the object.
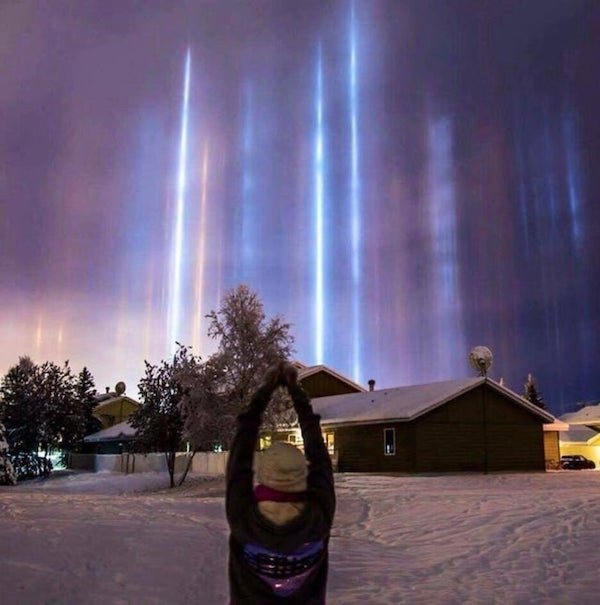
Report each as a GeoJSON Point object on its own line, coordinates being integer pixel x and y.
{"type": "Point", "coordinates": [575, 463]}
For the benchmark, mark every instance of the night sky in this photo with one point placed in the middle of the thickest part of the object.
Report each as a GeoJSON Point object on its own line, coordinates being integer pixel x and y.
{"type": "Point", "coordinates": [401, 180]}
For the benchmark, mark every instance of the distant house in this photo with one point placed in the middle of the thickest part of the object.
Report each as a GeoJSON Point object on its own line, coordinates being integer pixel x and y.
{"type": "Point", "coordinates": [474, 424]}
{"type": "Point", "coordinates": [114, 407]}
{"type": "Point", "coordinates": [583, 436]}
{"type": "Point", "coordinates": [116, 439]}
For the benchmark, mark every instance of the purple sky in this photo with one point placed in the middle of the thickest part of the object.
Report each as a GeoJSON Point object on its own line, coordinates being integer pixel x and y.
{"type": "Point", "coordinates": [401, 180]}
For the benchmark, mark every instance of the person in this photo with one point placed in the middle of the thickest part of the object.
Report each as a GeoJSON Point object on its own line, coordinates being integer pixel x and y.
{"type": "Point", "coordinates": [279, 530]}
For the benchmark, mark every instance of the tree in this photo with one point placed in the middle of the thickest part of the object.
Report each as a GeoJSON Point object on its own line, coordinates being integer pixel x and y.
{"type": "Point", "coordinates": [19, 410]}
{"type": "Point", "coordinates": [7, 471]}
{"type": "Point", "coordinates": [86, 396]}
{"type": "Point", "coordinates": [158, 420]}
{"type": "Point", "coordinates": [532, 394]}
{"type": "Point", "coordinates": [202, 405]}
{"type": "Point", "coordinates": [42, 413]}
{"type": "Point", "coordinates": [59, 417]}
{"type": "Point", "coordinates": [248, 344]}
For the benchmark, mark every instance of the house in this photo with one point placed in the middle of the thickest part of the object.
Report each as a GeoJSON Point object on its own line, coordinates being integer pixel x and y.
{"type": "Point", "coordinates": [583, 436]}
{"type": "Point", "coordinates": [473, 424]}
{"type": "Point", "coordinates": [114, 439]}
{"type": "Point", "coordinates": [322, 381]}
{"type": "Point", "coordinates": [113, 410]}
{"type": "Point", "coordinates": [114, 407]}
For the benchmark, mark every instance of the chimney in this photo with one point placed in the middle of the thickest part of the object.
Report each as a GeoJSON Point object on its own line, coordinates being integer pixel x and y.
{"type": "Point", "coordinates": [107, 390]}
{"type": "Point", "coordinates": [371, 384]}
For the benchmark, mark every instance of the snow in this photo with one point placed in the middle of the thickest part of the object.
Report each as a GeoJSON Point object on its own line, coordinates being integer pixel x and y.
{"type": "Point", "coordinates": [408, 402]}
{"type": "Point", "coordinates": [448, 539]}
{"type": "Point", "coordinates": [121, 429]}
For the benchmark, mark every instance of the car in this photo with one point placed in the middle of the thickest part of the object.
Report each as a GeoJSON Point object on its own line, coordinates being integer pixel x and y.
{"type": "Point", "coordinates": [575, 463]}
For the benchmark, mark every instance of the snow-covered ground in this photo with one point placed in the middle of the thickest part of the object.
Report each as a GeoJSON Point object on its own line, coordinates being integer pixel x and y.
{"type": "Point", "coordinates": [499, 538]}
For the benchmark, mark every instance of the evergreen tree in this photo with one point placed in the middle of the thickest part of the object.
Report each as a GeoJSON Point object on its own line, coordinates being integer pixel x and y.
{"type": "Point", "coordinates": [248, 344]}
{"type": "Point", "coordinates": [86, 395]}
{"type": "Point", "coordinates": [532, 394]}
{"type": "Point", "coordinates": [58, 415]}
{"type": "Point", "coordinates": [7, 471]}
{"type": "Point", "coordinates": [41, 412]}
{"type": "Point", "coordinates": [19, 413]}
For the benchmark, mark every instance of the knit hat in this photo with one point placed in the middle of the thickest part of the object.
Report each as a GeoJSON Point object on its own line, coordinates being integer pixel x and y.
{"type": "Point", "coordinates": [282, 466]}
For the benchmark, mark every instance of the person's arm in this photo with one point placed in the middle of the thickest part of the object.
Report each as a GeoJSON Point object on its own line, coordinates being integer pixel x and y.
{"type": "Point", "coordinates": [320, 470]}
{"type": "Point", "coordinates": [238, 475]}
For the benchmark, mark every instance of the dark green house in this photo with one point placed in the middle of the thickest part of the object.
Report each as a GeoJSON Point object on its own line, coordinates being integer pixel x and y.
{"type": "Point", "coordinates": [474, 424]}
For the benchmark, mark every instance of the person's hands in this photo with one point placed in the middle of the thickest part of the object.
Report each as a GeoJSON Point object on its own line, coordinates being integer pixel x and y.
{"type": "Point", "coordinates": [289, 374]}
{"type": "Point", "coordinates": [272, 377]}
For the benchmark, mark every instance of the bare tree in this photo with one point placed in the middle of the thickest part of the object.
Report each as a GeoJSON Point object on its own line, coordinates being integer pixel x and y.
{"type": "Point", "coordinates": [158, 420]}
{"type": "Point", "coordinates": [248, 344]}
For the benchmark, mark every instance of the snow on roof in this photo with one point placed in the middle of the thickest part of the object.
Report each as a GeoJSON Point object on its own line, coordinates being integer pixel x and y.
{"type": "Point", "coordinates": [557, 425]}
{"type": "Point", "coordinates": [122, 429]}
{"type": "Point", "coordinates": [405, 403]}
{"type": "Point", "coordinates": [587, 415]}
{"type": "Point", "coordinates": [305, 371]}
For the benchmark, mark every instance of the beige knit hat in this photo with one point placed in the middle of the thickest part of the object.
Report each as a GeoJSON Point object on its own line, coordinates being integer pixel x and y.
{"type": "Point", "coordinates": [282, 466]}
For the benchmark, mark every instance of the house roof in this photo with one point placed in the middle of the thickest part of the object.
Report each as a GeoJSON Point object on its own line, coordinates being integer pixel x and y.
{"type": "Point", "coordinates": [306, 371]}
{"type": "Point", "coordinates": [407, 403]}
{"type": "Point", "coordinates": [122, 430]}
{"type": "Point", "coordinates": [114, 399]}
{"type": "Point", "coordinates": [557, 425]}
{"type": "Point", "coordinates": [580, 434]}
{"type": "Point", "coordinates": [590, 414]}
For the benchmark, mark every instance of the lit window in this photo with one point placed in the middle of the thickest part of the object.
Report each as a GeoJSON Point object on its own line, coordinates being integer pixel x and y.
{"type": "Point", "coordinates": [265, 442]}
{"type": "Point", "coordinates": [389, 442]}
{"type": "Point", "coordinates": [329, 440]}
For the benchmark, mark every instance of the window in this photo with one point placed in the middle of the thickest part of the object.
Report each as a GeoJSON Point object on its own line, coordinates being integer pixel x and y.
{"type": "Point", "coordinates": [389, 442]}
{"type": "Point", "coordinates": [265, 442]}
{"type": "Point", "coordinates": [295, 439]}
{"type": "Point", "coordinates": [329, 440]}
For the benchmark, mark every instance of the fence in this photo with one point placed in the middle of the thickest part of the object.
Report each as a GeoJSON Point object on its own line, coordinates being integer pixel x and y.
{"type": "Point", "coordinates": [205, 463]}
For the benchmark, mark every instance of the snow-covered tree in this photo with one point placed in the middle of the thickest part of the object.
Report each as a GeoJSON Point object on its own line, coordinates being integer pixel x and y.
{"type": "Point", "coordinates": [19, 411]}
{"type": "Point", "coordinates": [532, 394]}
{"type": "Point", "coordinates": [248, 344]}
{"type": "Point", "coordinates": [207, 417]}
{"type": "Point", "coordinates": [41, 412]}
{"type": "Point", "coordinates": [7, 471]}
{"type": "Point", "coordinates": [158, 420]}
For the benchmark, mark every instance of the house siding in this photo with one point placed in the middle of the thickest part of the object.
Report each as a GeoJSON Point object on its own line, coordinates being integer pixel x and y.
{"type": "Point", "coordinates": [360, 448]}
{"type": "Point", "coordinates": [322, 384]}
{"type": "Point", "coordinates": [552, 449]}
{"type": "Point", "coordinates": [115, 412]}
{"type": "Point", "coordinates": [477, 431]}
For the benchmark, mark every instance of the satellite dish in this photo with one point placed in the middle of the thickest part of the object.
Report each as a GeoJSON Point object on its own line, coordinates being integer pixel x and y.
{"type": "Point", "coordinates": [481, 359]}
{"type": "Point", "coordinates": [120, 388]}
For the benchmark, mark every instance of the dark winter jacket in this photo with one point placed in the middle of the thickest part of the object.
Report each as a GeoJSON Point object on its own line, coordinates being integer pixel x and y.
{"type": "Point", "coordinates": [278, 564]}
